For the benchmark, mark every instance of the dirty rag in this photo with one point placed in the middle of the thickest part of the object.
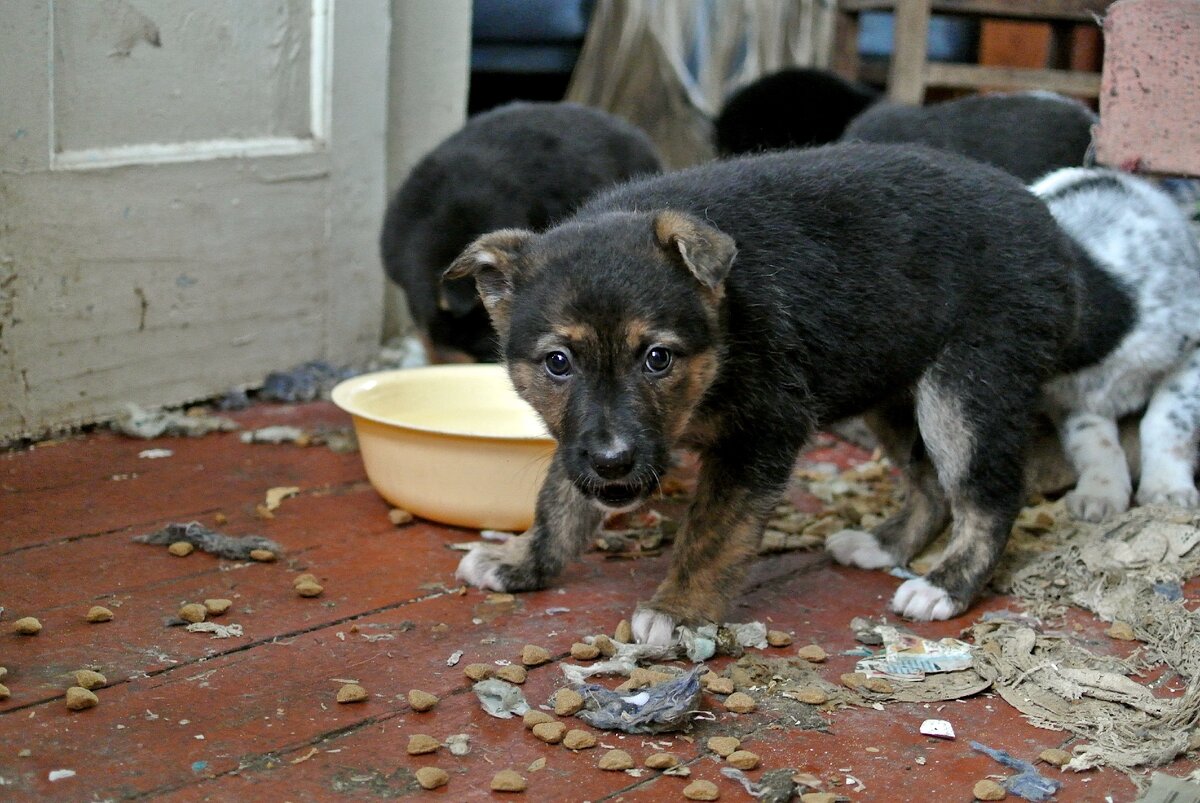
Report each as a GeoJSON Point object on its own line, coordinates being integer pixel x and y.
{"type": "Point", "coordinates": [233, 547]}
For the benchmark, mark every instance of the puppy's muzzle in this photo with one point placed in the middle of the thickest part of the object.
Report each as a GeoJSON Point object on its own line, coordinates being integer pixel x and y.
{"type": "Point", "coordinates": [614, 480]}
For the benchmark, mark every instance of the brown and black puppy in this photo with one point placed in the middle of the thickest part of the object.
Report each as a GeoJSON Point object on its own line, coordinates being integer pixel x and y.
{"type": "Point", "coordinates": [736, 306]}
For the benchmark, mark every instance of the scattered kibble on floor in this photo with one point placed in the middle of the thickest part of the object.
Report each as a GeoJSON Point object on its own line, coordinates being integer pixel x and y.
{"type": "Point", "coordinates": [432, 777]}
{"type": "Point", "coordinates": [262, 555]}
{"type": "Point", "coordinates": [512, 673]}
{"type": "Point", "coordinates": [818, 797]}
{"type": "Point", "coordinates": [701, 790]}
{"type": "Point", "coordinates": [742, 759]}
{"type": "Point", "coordinates": [584, 652]}
{"type": "Point", "coordinates": [1121, 631]}
{"type": "Point", "coordinates": [723, 745]}
{"type": "Point", "coordinates": [777, 638]}
{"type": "Point", "coordinates": [193, 612]}
{"type": "Point", "coordinates": [421, 743]}
{"type": "Point", "coordinates": [421, 700]}
{"type": "Point", "coordinates": [661, 761]}
{"type": "Point", "coordinates": [812, 653]}
{"type": "Point", "coordinates": [988, 789]}
{"type": "Point", "coordinates": [717, 684]}
{"type": "Point", "coordinates": [624, 632]}
{"type": "Point", "coordinates": [577, 739]}
{"type": "Point", "coordinates": [508, 781]}
{"type": "Point", "coordinates": [550, 732]}
{"type": "Point", "coordinates": [534, 656]}
{"type": "Point", "coordinates": [616, 761]}
{"type": "Point", "coordinates": [27, 626]}
{"type": "Point", "coordinates": [98, 613]}
{"type": "Point", "coordinates": [4, 692]}
{"type": "Point", "coordinates": [740, 703]}
{"type": "Point", "coordinates": [351, 693]}
{"type": "Point", "coordinates": [399, 516]}
{"type": "Point", "coordinates": [567, 702]}
{"type": "Point", "coordinates": [309, 588]}
{"type": "Point", "coordinates": [216, 607]}
{"type": "Point", "coordinates": [478, 672]}
{"type": "Point", "coordinates": [533, 717]}
{"type": "Point", "coordinates": [79, 698]}
{"type": "Point", "coordinates": [1055, 756]}
{"type": "Point", "coordinates": [89, 679]}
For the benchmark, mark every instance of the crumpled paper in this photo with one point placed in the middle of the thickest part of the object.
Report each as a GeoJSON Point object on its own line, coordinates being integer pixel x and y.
{"type": "Point", "coordinates": [665, 707]}
{"type": "Point", "coordinates": [500, 698]}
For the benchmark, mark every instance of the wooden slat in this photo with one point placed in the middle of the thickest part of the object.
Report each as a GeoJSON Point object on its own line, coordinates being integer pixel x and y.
{"type": "Point", "coordinates": [910, 45]}
{"type": "Point", "coordinates": [968, 76]}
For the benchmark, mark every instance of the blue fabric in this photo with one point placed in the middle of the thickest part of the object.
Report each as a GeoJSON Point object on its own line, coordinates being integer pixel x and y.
{"type": "Point", "coordinates": [950, 38]}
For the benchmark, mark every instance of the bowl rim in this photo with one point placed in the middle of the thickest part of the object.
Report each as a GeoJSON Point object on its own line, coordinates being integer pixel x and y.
{"type": "Point", "coordinates": [345, 392]}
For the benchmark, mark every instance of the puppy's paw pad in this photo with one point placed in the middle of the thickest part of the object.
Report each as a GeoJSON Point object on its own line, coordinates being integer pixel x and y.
{"type": "Point", "coordinates": [653, 627]}
{"type": "Point", "coordinates": [858, 548]}
{"type": "Point", "coordinates": [1188, 498]}
{"type": "Point", "coordinates": [921, 600]}
{"type": "Point", "coordinates": [482, 567]}
{"type": "Point", "coordinates": [1095, 507]}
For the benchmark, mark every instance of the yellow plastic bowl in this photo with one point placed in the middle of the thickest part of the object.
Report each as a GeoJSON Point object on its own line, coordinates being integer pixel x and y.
{"type": "Point", "coordinates": [450, 443]}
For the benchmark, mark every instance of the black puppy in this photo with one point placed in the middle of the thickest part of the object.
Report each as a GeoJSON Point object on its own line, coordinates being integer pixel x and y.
{"type": "Point", "coordinates": [524, 164]}
{"type": "Point", "coordinates": [737, 306]}
{"type": "Point", "coordinates": [792, 108]}
{"type": "Point", "coordinates": [1029, 134]}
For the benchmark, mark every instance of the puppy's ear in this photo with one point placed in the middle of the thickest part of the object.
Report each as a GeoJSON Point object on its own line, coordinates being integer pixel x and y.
{"type": "Point", "coordinates": [707, 252]}
{"type": "Point", "coordinates": [492, 261]}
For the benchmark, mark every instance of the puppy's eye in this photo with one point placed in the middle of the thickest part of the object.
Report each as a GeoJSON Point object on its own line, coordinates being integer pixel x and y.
{"type": "Point", "coordinates": [658, 359]}
{"type": "Point", "coordinates": [558, 363]}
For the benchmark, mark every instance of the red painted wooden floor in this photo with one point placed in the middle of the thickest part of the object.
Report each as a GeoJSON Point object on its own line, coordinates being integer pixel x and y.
{"type": "Point", "coordinates": [188, 717]}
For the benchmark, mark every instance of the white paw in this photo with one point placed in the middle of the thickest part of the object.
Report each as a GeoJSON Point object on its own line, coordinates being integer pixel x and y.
{"type": "Point", "coordinates": [1096, 506]}
{"type": "Point", "coordinates": [652, 627]}
{"type": "Point", "coordinates": [921, 600]}
{"type": "Point", "coordinates": [481, 567]}
{"type": "Point", "coordinates": [857, 548]}
{"type": "Point", "coordinates": [1175, 497]}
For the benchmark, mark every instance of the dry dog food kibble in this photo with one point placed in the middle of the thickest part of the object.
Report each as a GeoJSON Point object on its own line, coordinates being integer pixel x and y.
{"type": "Point", "coordinates": [351, 693]}
{"type": "Point", "coordinates": [508, 781]}
{"type": "Point", "coordinates": [605, 645]}
{"type": "Point", "coordinates": [578, 739]}
{"type": "Point", "coordinates": [304, 578]}
{"type": "Point", "coordinates": [878, 685]}
{"type": "Point", "coordinates": [420, 743]}
{"type": "Point", "coordinates": [98, 613]}
{"type": "Point", "coordinates": [813, 695]}
{"type": "Point", "coordinates": [28, 626]}
{"type": "Point", "coordinates": [1055, 756]}
{"type": "Point", "coordinates": [181, 549]}
{"type": "Point", "coordinates": [309, 589]}
{"type": "Point", "coordinates": [853, 680]}
{"type": "Point", "coordinates": [534, 656]}
{"type": "Point", "coordinates": [812, 653]}
{"type": "Point", "coordinates": [262, 555]}
{"type": "Point", "coordinates": [616, 761]}
{"type": "Point", "coordinates": [216, 607]}
{"type": "Point", "coordinates": [624, 632]}
{"type": "Point", "coordinates": [584, 652]}
{"type": "Point", "coordinates": [701, 790]}
{"type": "Point", "coordinates": [989, 790]}
{"type": "Point", "coordinates": [743, 759]}
{"type": "Point", "coordinates": [89, 679]}
{"type": "Point", "coordinates": [421, 700]}
{"type": "Point", "coordinates": [550, 732]}
{"type": "Point", "coordinates": [193, 612]}
{"type": "Point", "coordinates": [4, 692]}
{"type": "Point", "coordinates": [777, 638]}
{"type": "Point", "coordinates": [567, 702]}
{"type": "Point", "coordinates": [534, 717]}
{"type": "Point", "coordinates": [79, 698]}
{"type": "Point", "coordinates": [432, 777]}
{"type": "Point", "coordinates": [512, 673]}
{"type": "Point", "coordinates": [723, 745]}
{"type": "Point", "coordinates": [717, 684]}
{"type": "Point", "coordinates": [399, 516]}
{"type": "Point", "coordinates": [740, 703]}
{"type": "Point", "coordinates": [818, 797]}
{"type": "Point", "coordinates": [661, 761]}
{"type": "Point", "coordinates": [478, 672]}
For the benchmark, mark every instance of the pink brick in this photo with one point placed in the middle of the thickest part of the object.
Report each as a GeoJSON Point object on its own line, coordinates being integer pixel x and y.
{"type": "Point", "coordinates": [1150, 91]}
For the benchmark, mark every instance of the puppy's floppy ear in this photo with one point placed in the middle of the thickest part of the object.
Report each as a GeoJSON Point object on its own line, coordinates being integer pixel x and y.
{"type": "Point", "coordinates": [707, 252]}
{"type": "Point", "coordinates": [492, 261]}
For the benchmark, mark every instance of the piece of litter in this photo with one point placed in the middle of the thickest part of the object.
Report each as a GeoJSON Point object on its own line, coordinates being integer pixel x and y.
{"type": "Point", "coordinates": [277, 434]}
{"type": "Point", "coordinates": [665, 707]}
{"type": "Point", "coordinates": [553, 611]}
{"type": "Point", "coordinates": [908, 657]}
{"type": "Point", "coordinates": [312, 751]}
{"type": "Point", "coordinates": [275, 496]}
{"type": "Point", "coordinates": [459, 744]}
{"type": "Point", "coordinates": [1029, 783]}
{"type": "Point", "coordinates": [226, 546]}
{"type": "Point", "coordinates": [59, 775]}
{"type": "Point", "coordinates": [218, 631]}
{"type": "Point", "coordinates": [138, 422]}
{"type": "Point", "coordinates": [155, 454]}
{"type": "Point", "coordinates": [454, 658]}
{"type": "Point", "coordinates": [500, 698]}
{"type": "Point", "coordinates": [938, 728]}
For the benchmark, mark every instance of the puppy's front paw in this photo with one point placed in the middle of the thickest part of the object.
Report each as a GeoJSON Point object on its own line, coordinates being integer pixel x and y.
{"type": "Point", "coordinates": [500, 567]}
{"type": "Point", "coordinates": [1095, 506]}
{"type": "Point", "coordinates": [921, 600]}
{"type": "Point", "coordinates": [1187, 497]}
{"type": "Point", "coordinates": [651, 626]}
{"type": "Point", "coordinates": [858, 548]}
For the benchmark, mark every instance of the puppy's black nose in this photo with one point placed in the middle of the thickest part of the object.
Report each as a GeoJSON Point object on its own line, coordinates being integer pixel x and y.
{"type": "Point", "coordinates": [612, 462]}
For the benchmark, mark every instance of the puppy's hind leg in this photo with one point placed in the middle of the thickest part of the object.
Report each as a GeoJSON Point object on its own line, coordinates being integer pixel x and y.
{"type": "Point", "coordinates": [924, 513]}
{"type": "Point", "coordinates": [562, 524]}
{"type": "Point", "coordinates": [1093, 445]}
{"type": "Point", "coordinates": [976, 438]}
{"type": "Point", "coordinates": [1170, 430]}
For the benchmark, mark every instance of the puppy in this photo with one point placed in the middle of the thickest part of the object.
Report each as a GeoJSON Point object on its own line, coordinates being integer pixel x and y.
{"type": "Point", "coordinates": [737, 306]}
{"type": "Point", "coordinates": [524, 164]}
{"type": "Point", "coordinates": [794, 108]}
{"type": "Point", "coordinates": [1028, 134]}
{"type": "Point", "coordinates": [1134, 232]}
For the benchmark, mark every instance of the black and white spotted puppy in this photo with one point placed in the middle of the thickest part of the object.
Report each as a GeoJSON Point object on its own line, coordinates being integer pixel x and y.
{"type": "Point", "coordinates": [1133, 231]}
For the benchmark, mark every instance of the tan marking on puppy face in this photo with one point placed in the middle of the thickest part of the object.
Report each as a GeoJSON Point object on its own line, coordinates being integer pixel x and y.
{"type": "Point", "coordinates": [574, 332]}
{"type": "Point", "coordinates": [541, 396]}
{"type": "Point", "coordinates": [637, 333]}
{"type": "Point", "coordinates": [691, 383]}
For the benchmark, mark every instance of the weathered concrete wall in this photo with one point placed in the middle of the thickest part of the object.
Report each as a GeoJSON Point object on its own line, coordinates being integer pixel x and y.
{"type": "Point", "coordinates": [1150, 95]}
